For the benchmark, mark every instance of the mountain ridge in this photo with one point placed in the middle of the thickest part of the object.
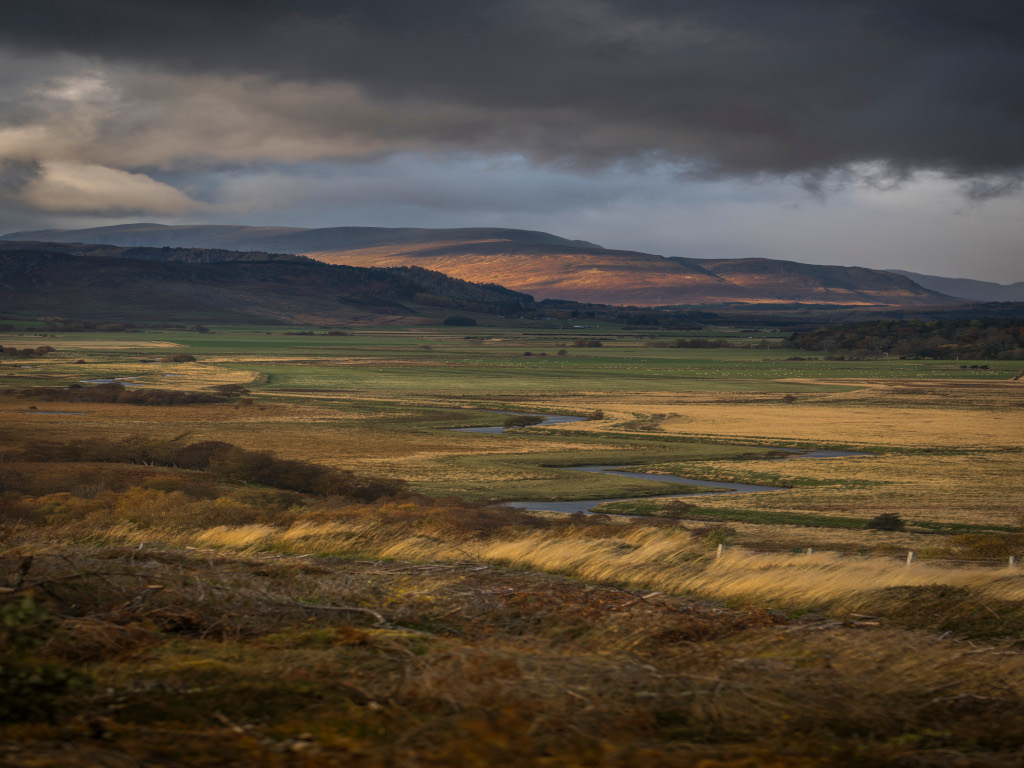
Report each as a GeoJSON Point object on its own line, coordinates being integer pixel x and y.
{"type": "Point", "coordinates": [967, 288]}
{"type": "Point", "coordinates": [540, 264]}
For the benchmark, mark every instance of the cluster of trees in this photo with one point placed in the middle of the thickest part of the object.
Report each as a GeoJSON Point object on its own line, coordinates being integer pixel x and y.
{"type": "Point", "coordinates": [26, 352]}
{"type": "Point", "coordinates": [60, 325]}
{"type": "Point", "coordinates": [115, 392]}
{"type": "Point", "coordinates": [631, 318]}
{"type": "Point", "coordinates": [314, 333]}
{"type": "Point", "coordinates": [224, 460]}
{"type": "Point", "coordinates": [691, 344]}
{"type": "Point", "coordinates": [958, 338]}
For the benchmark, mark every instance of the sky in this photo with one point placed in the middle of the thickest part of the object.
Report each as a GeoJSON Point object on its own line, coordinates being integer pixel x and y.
{"type": "Point", "coordinates": [877, 133]}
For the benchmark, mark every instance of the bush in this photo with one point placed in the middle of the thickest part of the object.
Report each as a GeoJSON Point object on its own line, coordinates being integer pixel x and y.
{"type": "Point", "coordinates": [986, 545]}
{"type": "Point", "coordinates": [677, 508]}
{"type": "Point", "coordinates": [887, 521]}
{"type": "Point", "coordinates": [713, 534]}
{"type": "Point", "coordinates": [29, 685]}
{"type": "Point", "coordinates": [178, 359]}
{"type": "Point", "coordinates": [595, 415]}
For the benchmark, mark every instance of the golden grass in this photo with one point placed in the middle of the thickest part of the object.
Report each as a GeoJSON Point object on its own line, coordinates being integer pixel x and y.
{"type": "Point", "coordinates": [248, 660]}
{"type": "Point", "coordinates": [824, 422]}
{"type": "Point", "coordinates": [649, 559]}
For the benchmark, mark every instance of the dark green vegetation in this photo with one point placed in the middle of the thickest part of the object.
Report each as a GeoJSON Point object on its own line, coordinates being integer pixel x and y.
{"type": "Point", "coordinates": [1003, 540]}
{"type": "Point", "coordinates": [218, 285]}
{"type": "Point", "coordinates": [222, 460]}
{"type": "Point", "coordinates": [956, 339]}
{"type": "Point", "coordinates": [115, 392]}
{"type": "Point", "coordinates": [40, 351]}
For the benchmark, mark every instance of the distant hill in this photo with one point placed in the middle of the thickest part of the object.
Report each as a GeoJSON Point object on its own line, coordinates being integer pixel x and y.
{"type": "Point", "coordinates": [284, 239]}
{"type": "Point", "coordinates": [543, 265]}
{"type": "Point", "coordinates": [163, 284]}
{"type": "Point", "coordinates": [964, 288]}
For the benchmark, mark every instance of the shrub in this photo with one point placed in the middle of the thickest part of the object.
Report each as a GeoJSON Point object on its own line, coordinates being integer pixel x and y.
{"type": "Point", "coordinates": [887, 521]}
{"type": "Point", "coordinates": [29, 686]}
{"type": "Point", "coordinates": [178, 359]}
{"type": "Point", "coordinates": [677, 508]}
{"type": "Point", "coordinates": [713, 534]}
{"type": "Point", "coordinates": [986, 545]}
{"type": "Point", "coordinates": [595, 415]}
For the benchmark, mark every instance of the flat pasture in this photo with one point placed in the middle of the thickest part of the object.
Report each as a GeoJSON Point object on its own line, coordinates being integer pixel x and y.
{"type": "Point", "coordinates": [946, 438]}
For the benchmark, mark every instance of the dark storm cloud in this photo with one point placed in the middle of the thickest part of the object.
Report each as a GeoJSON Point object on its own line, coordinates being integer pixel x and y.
{"type": "Point", "coordinates": [16, 174]}
{"type": "Point", "coordinates": [737, 87]}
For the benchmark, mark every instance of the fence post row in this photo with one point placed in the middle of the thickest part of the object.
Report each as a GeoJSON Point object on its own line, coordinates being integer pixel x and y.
{"type": "Point", "coordinates": [911, 556]}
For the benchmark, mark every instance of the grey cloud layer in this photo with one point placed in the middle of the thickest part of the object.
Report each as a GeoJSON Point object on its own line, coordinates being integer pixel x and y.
{"type": "Point", "coordinates": [739, 87]}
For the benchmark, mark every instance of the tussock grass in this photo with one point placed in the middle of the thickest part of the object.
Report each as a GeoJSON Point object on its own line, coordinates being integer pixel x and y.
{"type": "Point", "coordinates": [213, 658]}
{"type": "Point", "coordinates": [633, 556]}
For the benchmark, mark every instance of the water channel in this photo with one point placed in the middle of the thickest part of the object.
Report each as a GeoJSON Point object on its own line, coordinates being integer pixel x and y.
{"type": "Point", "coordinates": [587, 505]}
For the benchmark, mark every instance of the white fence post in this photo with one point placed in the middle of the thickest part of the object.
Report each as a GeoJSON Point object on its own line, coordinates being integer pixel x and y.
{"type": "Point", "coordinates": [910, 559]}
{"type": "Point", "coordinates": [721, 549]}
{"type": "Point", "coordinates": [1013, 562]}
{"type": "Point", "coordinates": [810, 550]}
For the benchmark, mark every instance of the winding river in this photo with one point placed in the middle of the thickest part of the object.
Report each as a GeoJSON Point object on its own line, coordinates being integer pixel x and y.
{"type": "Point", "coordinates": [587, 505]}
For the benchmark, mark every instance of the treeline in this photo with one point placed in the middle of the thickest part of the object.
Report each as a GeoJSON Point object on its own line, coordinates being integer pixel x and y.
{"type": "Point", "coordinates": [958, 338]}
{"type": "Point", "coordinates": [179, 254]}
{"type": "Point", "coordinates": [116, 392]}
{"type": "Point", "coordinates": [631, 318]}
{"type": "Point", "coordinates": [224, 460]}
{"type": "Point", "coordinates": [62, 325]}
{"type": "Point", "coordinates": [691, 344]}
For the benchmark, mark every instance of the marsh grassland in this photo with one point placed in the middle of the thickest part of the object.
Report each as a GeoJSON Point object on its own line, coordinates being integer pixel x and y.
{"type": "Point", "coordinates": [173, 595]}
